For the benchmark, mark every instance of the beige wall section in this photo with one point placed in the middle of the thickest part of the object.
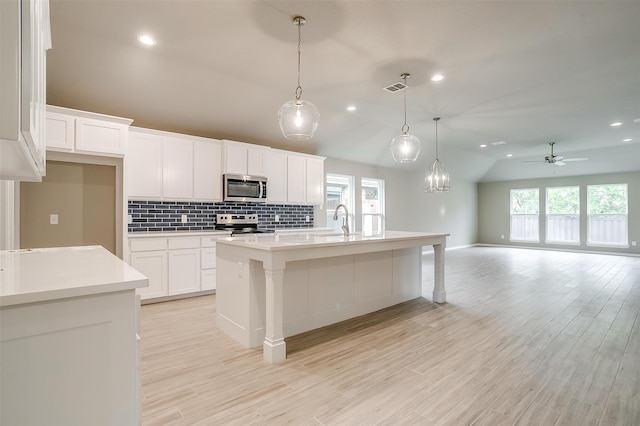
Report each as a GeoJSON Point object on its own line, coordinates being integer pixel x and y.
{"type": "Point", "coordinates": [83, 197]}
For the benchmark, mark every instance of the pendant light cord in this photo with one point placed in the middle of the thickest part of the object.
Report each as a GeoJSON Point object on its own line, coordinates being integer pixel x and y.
{"type": "Point", "coordinates": [405, 126]}
{"type": "Point", "coordinates": [436, 120]}
{"type": "Point", "coordinates": [299, 88]}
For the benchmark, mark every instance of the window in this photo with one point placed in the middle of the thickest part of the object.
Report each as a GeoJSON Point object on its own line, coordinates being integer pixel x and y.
{"type": "Point", "coordinates": [607, 215]}
{"type": "Point", "coordinates": [525, 206]}
{"type": "Point", "coordinates": [340, 191]}
{"type": "Point", "coordinates": [563, 215]}
{"type": "Point", "coordinates": [372, 206]}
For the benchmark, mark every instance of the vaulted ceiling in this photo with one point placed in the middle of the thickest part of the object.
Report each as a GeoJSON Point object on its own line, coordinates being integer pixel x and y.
{"type": "Point", "coordinates": [518, 75]}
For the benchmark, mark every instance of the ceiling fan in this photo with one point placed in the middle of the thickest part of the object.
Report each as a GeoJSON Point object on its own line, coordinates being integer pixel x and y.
{"type": "Point", "coordinates": [558, 160]}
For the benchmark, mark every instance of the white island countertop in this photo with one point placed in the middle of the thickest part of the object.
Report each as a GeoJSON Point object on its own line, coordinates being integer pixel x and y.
{"type": "Point", "coordinates": [301, 240]}
{"type": "Point", "coordinates": [38, 275]}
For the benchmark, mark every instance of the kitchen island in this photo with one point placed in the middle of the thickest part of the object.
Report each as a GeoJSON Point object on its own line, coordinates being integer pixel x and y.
{"type": "Point", "coordinates": [69, 349]}
{"type": "Point", "coordinates": [272, 287]}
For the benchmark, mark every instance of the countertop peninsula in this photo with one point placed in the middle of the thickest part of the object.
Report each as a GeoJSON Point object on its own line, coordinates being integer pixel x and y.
{"type": "Point", "coordinates": [45, 274]}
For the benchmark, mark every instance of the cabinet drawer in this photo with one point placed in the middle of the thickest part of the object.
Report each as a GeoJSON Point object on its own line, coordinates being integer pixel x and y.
{"type": "Point", "coordinates": [208, 279]}
{"type": "Point", "coordinates": [184, 243]}
{"type": "Point", "coordinates": [208, 258]}
{"type": "Point", "coordinates": [148, 244]}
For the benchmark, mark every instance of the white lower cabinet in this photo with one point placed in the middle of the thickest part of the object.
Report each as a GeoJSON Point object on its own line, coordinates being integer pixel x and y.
{"type": "Point", "coordinates": [149, 257]}
{"type": "Point", "coordinates": [177, 265]}
{"type": "Point", "coordinates": [184, 270]}
{"type": "Point", "coordinates": [208, 263]}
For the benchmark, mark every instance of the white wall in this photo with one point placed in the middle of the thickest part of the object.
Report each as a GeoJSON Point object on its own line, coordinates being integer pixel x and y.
{"type": "Point", "coordinates": [409, 208]}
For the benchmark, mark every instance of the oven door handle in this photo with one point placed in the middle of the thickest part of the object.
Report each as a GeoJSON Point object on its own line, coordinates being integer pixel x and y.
{"type": "Point", "coordinates": [261, 190]}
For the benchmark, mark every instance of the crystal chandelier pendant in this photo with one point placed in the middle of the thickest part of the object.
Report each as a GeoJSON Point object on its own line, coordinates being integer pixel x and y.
{"type": "Point", "coordinates": [437, 178]}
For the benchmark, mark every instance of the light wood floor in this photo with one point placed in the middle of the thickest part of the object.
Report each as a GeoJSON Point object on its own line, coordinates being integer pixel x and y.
{"type": "Point", "coordinates": [527, 337]}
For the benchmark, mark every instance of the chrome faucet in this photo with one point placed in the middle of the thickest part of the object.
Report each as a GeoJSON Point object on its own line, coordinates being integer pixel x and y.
{"type": "Point", "coordinates": [345, 219]}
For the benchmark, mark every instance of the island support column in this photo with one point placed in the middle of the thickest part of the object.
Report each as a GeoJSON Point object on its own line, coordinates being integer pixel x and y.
{"type": "Point", "coordinates": [439, 294]}
{"type": "Point", "coordinates": [274, 349]}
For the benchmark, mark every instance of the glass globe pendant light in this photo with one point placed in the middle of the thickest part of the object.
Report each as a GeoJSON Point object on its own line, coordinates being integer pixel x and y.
{"type": "Point", "coordinates": [437, 179]}
{"type": "Point", "coordinates": [298, 118]}
{"type": "Point", "coordinates": [405, 147]}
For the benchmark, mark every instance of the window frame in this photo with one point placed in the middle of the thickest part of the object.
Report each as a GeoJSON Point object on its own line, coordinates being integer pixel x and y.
{"type": "Point", "coordinates": [380, 185]}
{"type": "Point", "coordinates": [511, 216]}
{"type": "Point", "coordinates": [549, 215]}
{"type": "Point", "coordinates": [332, 180]}
{"type": "Point", "coordinates": [593, 243]}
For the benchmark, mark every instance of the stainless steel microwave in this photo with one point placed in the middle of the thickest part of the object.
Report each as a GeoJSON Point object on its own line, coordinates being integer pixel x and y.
{"type": "Point", "coordinates": [245, 188]}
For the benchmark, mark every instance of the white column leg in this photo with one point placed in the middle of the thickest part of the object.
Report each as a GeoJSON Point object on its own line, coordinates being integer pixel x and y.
{"type": "Point", "coordinates": [274, 347]}
{"type": "Point", "coordinates": [439, 294]}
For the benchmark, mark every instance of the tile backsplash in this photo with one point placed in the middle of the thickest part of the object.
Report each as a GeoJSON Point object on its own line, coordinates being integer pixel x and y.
{"type": "Point", "coordinates": [165, 216]}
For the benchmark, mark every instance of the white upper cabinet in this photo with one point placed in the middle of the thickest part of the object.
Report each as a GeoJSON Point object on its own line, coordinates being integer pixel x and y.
{"type": "Point", "coordinates": [60, 132]}
{"type": "Point", "coordinates": [305, 179]}
{"type": "Point", "coordinates": [207, 170]}
{"type": "Point", "coordinates": [315, 180]}
{"type": "Point", "coordinates": [84, 132]}
{"type": "Point", "coordinates": [26, 36]}
{"type": "Point", "coordinates": [243, 158]}
{"type": "Point", "coordinates": [275, 168]}
{"type": "Point", "coordinates": [171, 166]}
{"type": "Point", "coordinates": [100, 136]}
{"type": "Point", "coordinates": [177, 168]}
{"type": "Point", "coordinates": [143, 164]}
{"type": "Point", "coordinates": [297, 179]}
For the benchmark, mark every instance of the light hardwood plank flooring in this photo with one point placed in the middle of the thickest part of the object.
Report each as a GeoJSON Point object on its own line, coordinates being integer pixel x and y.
{"type": "Point", "coordinates": [526, 337]}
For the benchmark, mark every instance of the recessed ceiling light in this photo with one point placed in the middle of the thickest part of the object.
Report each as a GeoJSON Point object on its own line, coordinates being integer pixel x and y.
{"type": "Point", "coordinates": [498, 143]}
{"type": "Point", "coordinates": [437, 77]}
{"type": "Point", "coordinates": [627, 140]}
{"type": "Point", "coordinates": [616, 124]}
{"type": "Point", "coordinates": [483, 145]}
{"type": "Point", "coordinates": [147, 40]}
{"type": "Point", "coordinates": [351, 108]}
{"type": "Point", "coordinates": [509, 155]}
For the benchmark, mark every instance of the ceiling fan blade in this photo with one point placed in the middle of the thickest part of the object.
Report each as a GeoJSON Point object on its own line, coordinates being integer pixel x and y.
{"type": "Point", "coordinates": [558, 157]}
{"type": "Point", "coordinates": [534, 161]}
{"type": "Point", "coordinates": [576, 159]}
{"type": "Point", "coordinates": [560, 163]}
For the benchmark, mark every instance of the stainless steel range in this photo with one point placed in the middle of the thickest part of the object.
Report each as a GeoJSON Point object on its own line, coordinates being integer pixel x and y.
{"type": "Point", "coordinates": [240, 224]}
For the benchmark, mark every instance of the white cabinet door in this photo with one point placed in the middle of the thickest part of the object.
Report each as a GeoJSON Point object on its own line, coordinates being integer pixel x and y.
{"type": "Point", "coordinates": [315, 181]}
{"type": "Point", "coordinates": [255, 161]}
{"type": "Point", "coordinates": [177, 168]}
{"type": "Point", "coordinates": [275, 167]}
{"type": "Point", "coordinates": [243, 159]}
{"type": "Point", "coordinates": [208, 265]}
{"type": "Point", "coordinates": [24, 31]}
{"type": "Point", "coordinates": [207, 171]}
{"type": "Point", "coordinates": [152, 264]}
{"type": "Point", "coordinates": [184, 271]}
{"type": "Point", "coordinates": [208, 278]}
{"type": "Point", "coordinates": [297, 179]}
{"type": "Point", "coordinates": [60, 132]}
{"type": "Point", "coordinates": [97, 136]}
{"type": "Point", "coordinates": [143, 164]}
{"type": "Point", "coordinates": [235, 155]}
